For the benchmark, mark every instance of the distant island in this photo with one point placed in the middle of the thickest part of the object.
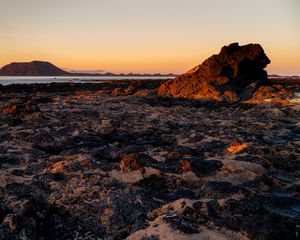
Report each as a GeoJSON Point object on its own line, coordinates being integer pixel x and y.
{"type": "Point", "coordinates": [42, 68]}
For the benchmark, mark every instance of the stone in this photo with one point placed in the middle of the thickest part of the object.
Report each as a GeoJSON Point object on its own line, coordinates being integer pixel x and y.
{"type": "Point", "coordinates": [233, 74]}
{"type": "Point", "coordinates": [144, 93]}
{"type": "Point", "coordinates": [67, 173]}
{"type": "Point", "coordinates": [118, 92]}
{"type": "Point", "coordinates": [272, 95]}
{"type": "Point", "coordinates": [11, 221]}
{"type": "Point", "coordinates": [186, 166]}
{"type": "Point", "coordinates": [130, 90]}
{"type": "Point", "coordinates": [236, 147]}
{"type": "Point", "coordinates": [130, 162]}
{"type": "Point", "coordinates": [107, 126]}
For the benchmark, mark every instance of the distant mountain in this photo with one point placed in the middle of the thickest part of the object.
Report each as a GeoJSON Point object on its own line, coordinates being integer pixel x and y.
{"type": "Point", "coordinates": [39, 68]}
{"type": "Point", "coordinates": [35, 68]}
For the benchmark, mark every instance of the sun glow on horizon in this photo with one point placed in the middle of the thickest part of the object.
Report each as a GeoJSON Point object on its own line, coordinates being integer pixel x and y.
{"type": "Point", "coordinates": [146, 36]}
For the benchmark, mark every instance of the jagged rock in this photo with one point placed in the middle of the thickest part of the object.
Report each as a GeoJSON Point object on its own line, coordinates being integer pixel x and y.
{"type": "Point", "coordinates": [186, 166]}
{"type": "Point", "coordinates": [130, 90]}
{"type": "Point", "coordinates": [236, 147]}
{"type": "Point", "coordinates": [61, 176]}
{"type": "Point", "coordinates": [233, 74]}
{"type": "Point", "coordinates": [144, 93]}
{"type": "Point", "coordinates": [23, 111]}
{"type": "Point", "coordinates": [107, 126]}
{"type": "Point", "coordinates": [118, 92]}
{"type": "Point", "coordinates": [274, 95]}
{"type": "Point", "coordinates": [130, 162]}
{"type": "Point", "coordinates": [11, 221]}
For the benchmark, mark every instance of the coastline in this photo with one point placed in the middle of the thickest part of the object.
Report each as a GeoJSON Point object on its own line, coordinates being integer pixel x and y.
{"type": "Point", "coordinates": [92, 159]}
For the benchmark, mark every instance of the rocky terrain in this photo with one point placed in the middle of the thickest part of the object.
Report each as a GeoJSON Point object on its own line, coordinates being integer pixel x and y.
{"type": "Point", "coordinates": [115, 160]}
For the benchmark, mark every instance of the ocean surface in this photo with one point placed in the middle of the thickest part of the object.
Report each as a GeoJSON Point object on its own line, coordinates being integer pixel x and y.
{"type": "Point", "coordinates": [30, 80]}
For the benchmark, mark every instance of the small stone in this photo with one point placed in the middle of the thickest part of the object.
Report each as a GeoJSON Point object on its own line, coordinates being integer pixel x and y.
{"type": "Point", "coordinates": [107, 126]}
{"type": "Point", "coordinates": [11, 221]}
{"type": "Point", "coordinates": [130, 162]}
{"type": "Point", "coordinates": [117, 92]}
{"type": "Point", "coordinates": [130, 90]}
{"type": "Point", "coordinates": [186, 166]}
{"type": "Point", "coordinates": [222, 202]}
{"type": "Point", "coordinates": [236, 147]}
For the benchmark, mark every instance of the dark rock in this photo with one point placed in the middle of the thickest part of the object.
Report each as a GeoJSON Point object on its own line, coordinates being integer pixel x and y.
{"type": "Point", "coordinates": [180, 224]}
{"type": "Point", "coordinates": [130, 162]}
{"type": "Point", "coordinates": [24, 111]}
{"type": "Point", "coordinates": [200, 167]}
{"type": "Point", "coordinates": [150, 238]}
{"type": "Point", "coordinates": [11, 221]}
{"type": "Point", "coordinates": [60, 165]}
{"type": "Point", "coordinates": [233, 74]}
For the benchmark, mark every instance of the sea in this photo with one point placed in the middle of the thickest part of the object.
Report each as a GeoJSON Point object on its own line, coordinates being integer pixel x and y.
{"type": "Point", "coordinates": [72, 79]}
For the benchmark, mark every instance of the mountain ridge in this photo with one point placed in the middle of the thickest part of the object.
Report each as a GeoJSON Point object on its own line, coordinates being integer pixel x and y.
{"type": "Point", "coordinates": [34, 68]}
{"type": "Point", "coordinates": [45, 68]}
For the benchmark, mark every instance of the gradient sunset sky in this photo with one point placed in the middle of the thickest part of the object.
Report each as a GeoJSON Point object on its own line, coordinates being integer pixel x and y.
{"type": "Point", "coordinates": [146, 35]}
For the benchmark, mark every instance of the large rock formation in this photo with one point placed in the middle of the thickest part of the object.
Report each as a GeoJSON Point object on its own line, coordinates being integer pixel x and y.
{"type": "Point", "coordinates": [233, 74]}
{"type": "Point", "coordinates": [35, 68]}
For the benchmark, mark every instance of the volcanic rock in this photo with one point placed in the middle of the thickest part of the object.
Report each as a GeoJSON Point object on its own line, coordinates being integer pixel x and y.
{"type": "Point", "coordinates": [11, 221]}
{"type": "Point", "coordinates": [130, 162]}
{"type": "Point", "coordinates": [22, 111]}
{"type": "Point", "coordinates": [275, 95]}
{"type": "Point", "coordinates": [186, 166]}
{"type": "Point", "coordinates": [62, 175]}
{"type": "Point", "coordinates": [236, 147]}
{"type": "Point", "coordinates": [233, 74]}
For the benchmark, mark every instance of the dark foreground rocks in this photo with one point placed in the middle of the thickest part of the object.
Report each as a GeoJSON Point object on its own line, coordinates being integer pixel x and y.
{"type": "Point", "coordinates": [84, 161]}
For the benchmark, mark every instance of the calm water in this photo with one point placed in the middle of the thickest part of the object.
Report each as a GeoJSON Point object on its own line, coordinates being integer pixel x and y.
{"type": "Point", "coordinates": [30, 80]}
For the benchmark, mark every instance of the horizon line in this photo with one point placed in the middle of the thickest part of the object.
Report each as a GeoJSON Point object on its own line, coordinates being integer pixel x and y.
{"type": "Point", "coordinates": [103, 72]}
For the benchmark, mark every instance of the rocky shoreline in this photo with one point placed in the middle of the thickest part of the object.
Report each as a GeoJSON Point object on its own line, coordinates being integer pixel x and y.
{"type": "Point", "coordinates": [116, 161]}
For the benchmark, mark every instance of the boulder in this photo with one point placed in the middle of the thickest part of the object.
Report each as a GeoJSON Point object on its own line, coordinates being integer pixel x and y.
{"type": "Point", "coordinates": [233, 74]}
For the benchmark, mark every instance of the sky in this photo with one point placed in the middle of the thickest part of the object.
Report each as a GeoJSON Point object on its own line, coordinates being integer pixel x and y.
{"type": "Point", "coordinates": [146, 36]}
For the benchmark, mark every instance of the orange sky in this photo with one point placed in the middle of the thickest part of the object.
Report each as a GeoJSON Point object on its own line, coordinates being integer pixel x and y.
{"type": "Point", "coordinates": [146, 36]}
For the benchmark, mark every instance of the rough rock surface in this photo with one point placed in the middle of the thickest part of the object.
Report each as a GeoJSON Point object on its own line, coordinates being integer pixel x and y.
{"type": "Point", "coordinates": [233, 74]}
{"type": "Point", "coordinates": [81, 163]}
